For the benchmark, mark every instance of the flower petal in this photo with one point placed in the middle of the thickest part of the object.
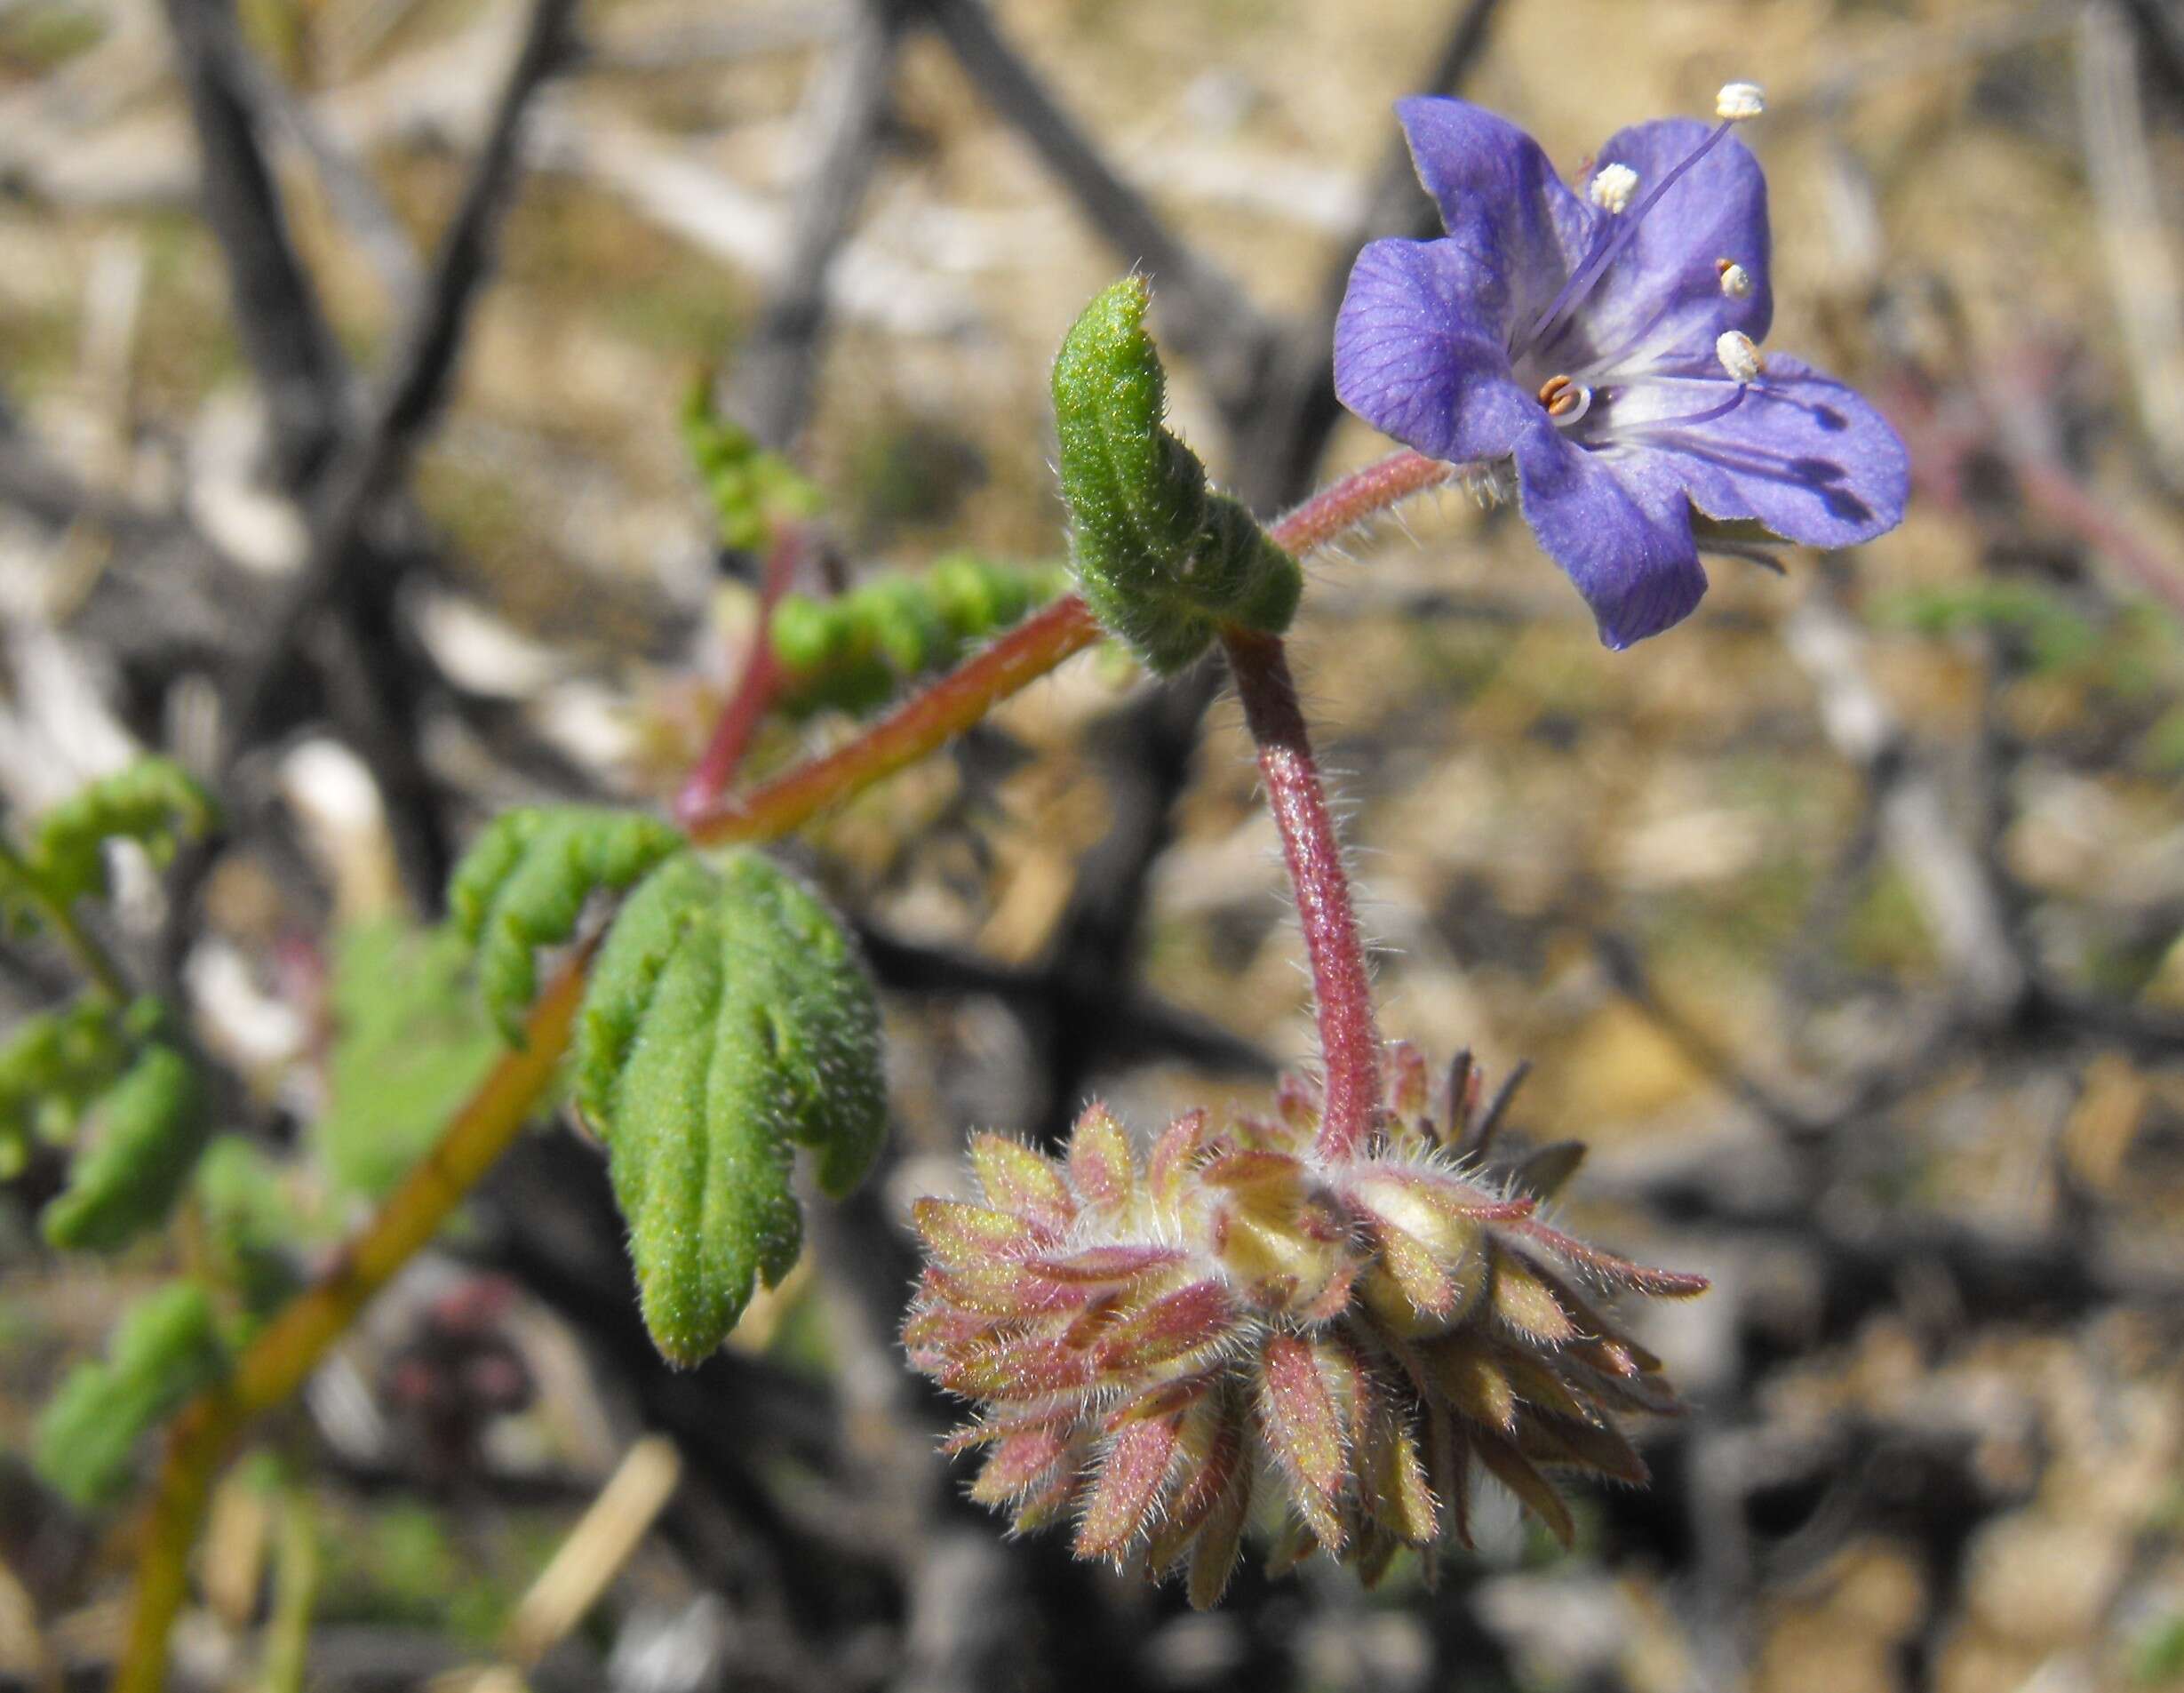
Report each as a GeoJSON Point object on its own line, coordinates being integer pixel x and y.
{"type": "Point", "coordinates": [1500, 198]}
{"type": "Point", "coordinates": [1662, 298]}
{"type": "Point", "coordinates": [1625, 542]}
{"type": "Point", "coordinates": [1803, 454]}
{"type": "Point", "coordinates": [1418, 351]}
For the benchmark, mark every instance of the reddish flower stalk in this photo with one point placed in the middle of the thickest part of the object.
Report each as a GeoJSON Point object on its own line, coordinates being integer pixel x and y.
{"type": "Point", "coordinates": [754, 690]}
{"type": "Point", "coordinates": [1342, 989]}
{"type": "Point", "coordinates": [1362, 494]}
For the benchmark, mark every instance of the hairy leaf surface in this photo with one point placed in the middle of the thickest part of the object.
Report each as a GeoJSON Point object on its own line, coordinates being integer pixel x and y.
{"type": "Point", "coordinates": [150, 1127]}
{"type": "Point", "coordinates": [165, 1349]}
{"type": "Point", "coordinates": [728, 1020]}
{"type": "Point", "coordinates": [1161, 559]}
{"type": "Point", "coordinates": [524, 884]}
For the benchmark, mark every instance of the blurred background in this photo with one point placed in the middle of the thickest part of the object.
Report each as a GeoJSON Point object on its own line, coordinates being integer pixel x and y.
{"type": "Point", "coordinates": [341, 349]}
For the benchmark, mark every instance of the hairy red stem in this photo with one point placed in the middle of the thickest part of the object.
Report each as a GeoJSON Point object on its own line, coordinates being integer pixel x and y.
{"type": "Point", "coordinates": [1363, 493]}
{"type": "Point", "coordinates": [1342, 989]}
{"type": "Point", "coordinates": [914, 728]}
{"type": "Point", "coordinates": [754, 691]}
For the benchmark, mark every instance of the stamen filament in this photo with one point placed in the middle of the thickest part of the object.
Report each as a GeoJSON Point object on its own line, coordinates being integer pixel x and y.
{"type": "Point", "coordinates": [1707, 416]}
{"type": "Point", "coordinates": [1620, 234]}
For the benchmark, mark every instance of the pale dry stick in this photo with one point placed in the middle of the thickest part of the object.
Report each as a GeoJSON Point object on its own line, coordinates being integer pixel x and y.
{"type": "Point", "coordinates": [296, 1575]}
{"type": "Point", "coordinates": [352, 194]}
{"type": "Point", "coordinates": [2138, 254]}
{"type": "Point", "coordinates": [627, 40]}
{"type": "Point", "coordinates": [278, 318]}
{"type": "Point", "coordinates": [1955, 889]}
{"type": "Point", "coordinates": [22, 1640]}
{"type": "Point", "coordinates": [845, 116]}
{"type": "Point", "coordinates": [1209, 318]}
{"type": "Point", "coordinates": [603, 1540]}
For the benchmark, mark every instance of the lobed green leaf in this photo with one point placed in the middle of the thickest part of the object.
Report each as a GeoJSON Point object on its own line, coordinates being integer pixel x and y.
{"type": "Point", "coordinates": [165, 1349]}
{"type": "Point", "coordinates": [851, 653]}
{"type": "Point", "coordinates": [150, 1127]}
{"type": "Point", "coordinates": [1161, 560]}
{"type": "Point", "coordinates": [753, 491]}
{"type": "Point", "coordinates": [728, 1020]}
{"type": "Point", "coordinates": [154, 801]}
{"type": "Point", "coordinates": [522, 887]}
{"type": "Point", "coordinates": [401, 1061]}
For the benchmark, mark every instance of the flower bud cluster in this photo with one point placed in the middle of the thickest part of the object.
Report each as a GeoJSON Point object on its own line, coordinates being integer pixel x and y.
{"type": "Point", "coordinates": [1242, 1326]}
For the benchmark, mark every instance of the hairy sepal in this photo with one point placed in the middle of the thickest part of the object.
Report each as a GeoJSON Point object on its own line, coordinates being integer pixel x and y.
{"type": "Point", "coordinates": [523, 885]}
{"type": "Point", "coordinates": [727, 1021]}
{"type": "Point", "coordinates": [1162, 561]}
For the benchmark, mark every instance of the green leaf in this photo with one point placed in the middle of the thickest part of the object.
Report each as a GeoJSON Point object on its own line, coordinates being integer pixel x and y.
{"type": "Point", "coordinates": [753, 491]}
{"type": "Point", "coordinates": [410, 1044]}
{"type": "Point", "coordinates": [1162, 561]}
{"type": "Point", "coordinates": [154, 801]}
{"type": "Point", "coordinates": [52, 1067]}
{"type": "Point", "coordinates": [523, 886]}
{"type": "Point", "coordinates": [151, 1126]}
{"type": "Point", "coordinates": [165, 1349]}
{"type": "Point", "coordinates": [250, 1225]}
{"type": "Point", "coordinates": [728, 1020]}
{"type": "Point", "coordinates": [853, 652]}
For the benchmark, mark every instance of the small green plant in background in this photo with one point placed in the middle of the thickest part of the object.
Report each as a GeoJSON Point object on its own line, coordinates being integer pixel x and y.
{"type": "Point", "coordinates": [165, 1348]}
{"type": "Point", "coordinates": [2131, 656]}
{"type": "Point", "coordinates": [754, 493]}
{"type": "Point", "coordinates": [107, 1075]}
{"type": "Point", "coordinates": [398, 1063]}
{"type": "Point", "coordinates": [110, 1083]}
{"type": "Point", "coordinates": [856, 652]}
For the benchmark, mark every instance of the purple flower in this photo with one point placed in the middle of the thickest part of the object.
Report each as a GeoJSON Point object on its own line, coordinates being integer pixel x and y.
{"type": "Point", "coordinates": [1607, 344]}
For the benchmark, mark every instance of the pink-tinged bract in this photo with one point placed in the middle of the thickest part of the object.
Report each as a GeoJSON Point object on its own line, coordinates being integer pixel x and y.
{"type": "Point", "coordinates": [1242, 1326]}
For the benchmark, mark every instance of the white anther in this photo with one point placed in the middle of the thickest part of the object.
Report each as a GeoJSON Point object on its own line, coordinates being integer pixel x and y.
{"type": "Point", "coordinates": [1736, 281]}
{"type": "Point", "coordinates": [1738, 355]}
{"type": "Point", "coordinates": [1738, 101]}
{"type": "Point", "coordinates": [1611, 186]}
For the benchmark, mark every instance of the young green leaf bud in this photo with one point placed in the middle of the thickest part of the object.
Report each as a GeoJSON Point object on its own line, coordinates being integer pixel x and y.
{"type": "Point", "coordinates": [1162, 561]}
{"type": "Point", "coordinates": [153, 802]}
